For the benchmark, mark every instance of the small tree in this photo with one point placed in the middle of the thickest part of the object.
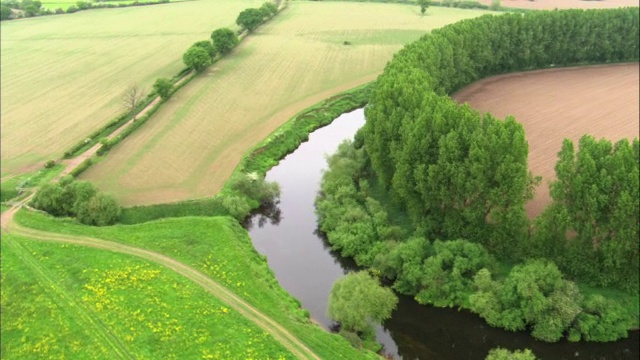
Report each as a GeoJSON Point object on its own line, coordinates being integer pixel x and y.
{"type": "Point", "coordinates": [132, 98]}
{"type": "Point", "coordinates": [424, 5]}
{"type": "Point", "coordinates": [224, 40]}
{"type": "Point", "coordinates": [196, 58]}
{"type": "Point", "coordinates": [250, 19]}
{"type": "Point", "coordinates": [99, 210]}
{"type": "Point", "coordinates": [163, 87]}
{"type": "Point", "coordinates": [268, 9]}
{"type": "Point", "coordinates": [357, 301]}
{"type": "Point", "coordinates": [207, 46]}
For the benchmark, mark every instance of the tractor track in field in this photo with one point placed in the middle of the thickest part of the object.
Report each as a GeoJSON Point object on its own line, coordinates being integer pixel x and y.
{"type": "Point", "coordinates": [279, 333]}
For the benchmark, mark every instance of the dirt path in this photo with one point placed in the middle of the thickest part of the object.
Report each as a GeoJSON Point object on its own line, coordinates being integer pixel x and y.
{"type": "Point", "coordinates": [73, 163]}
{"type": "Point", "coordinates": [279, 333]}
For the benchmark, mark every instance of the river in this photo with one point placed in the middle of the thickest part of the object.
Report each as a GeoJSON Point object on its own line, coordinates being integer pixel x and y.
{"type": "Point", "coordinates": [306, 267]}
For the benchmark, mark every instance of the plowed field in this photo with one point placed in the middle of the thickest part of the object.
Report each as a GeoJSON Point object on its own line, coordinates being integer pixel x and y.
{"type": "Point", "coordinates": [552, 105]}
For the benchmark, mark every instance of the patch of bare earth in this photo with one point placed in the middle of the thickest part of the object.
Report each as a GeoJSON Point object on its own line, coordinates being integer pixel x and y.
{"type": "Point", "coordinates": [555, 104]}
{"type": "Point", "coordinates": [563, 4]}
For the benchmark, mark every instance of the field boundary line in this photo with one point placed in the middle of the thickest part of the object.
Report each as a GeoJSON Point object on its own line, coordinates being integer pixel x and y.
{"type": "Point", "coordinates": [279, 332]}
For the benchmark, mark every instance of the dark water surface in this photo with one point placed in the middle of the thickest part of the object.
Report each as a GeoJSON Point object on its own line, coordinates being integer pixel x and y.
{"type": "Point", "coordinates": [306, 267]}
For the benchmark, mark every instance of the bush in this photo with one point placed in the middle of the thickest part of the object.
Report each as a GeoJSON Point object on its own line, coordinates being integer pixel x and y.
{"type": "Point", "coordinates": [256, 188]}
{"type": "Point", "coordinates": [71, 9]}
{"type": "Point", "coordinates": [237, 206]}
{"type": "Point", "coordinates": [49, 164]}
{"type": "Point", "coordinates": [79, 199]}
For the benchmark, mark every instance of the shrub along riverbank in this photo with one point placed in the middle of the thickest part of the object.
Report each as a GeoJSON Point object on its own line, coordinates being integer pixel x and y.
{"type": "Point", "coordinates": [459, 175]}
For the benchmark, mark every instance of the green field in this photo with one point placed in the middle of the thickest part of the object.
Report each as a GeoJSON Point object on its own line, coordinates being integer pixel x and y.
{"type": "Point", "coordinates": [219, 248]}
{"type": "Point", "coordinates": [63, 76]}
{"type": "Point", "coordinates": [193, 143]}
{"type": "Point", "coordinates": [66, 301]}
{"type": "Point", "coordinates": [64, 5]}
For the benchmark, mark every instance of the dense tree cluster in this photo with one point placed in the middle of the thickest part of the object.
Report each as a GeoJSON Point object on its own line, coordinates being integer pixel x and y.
{"type": "Point", "coordinates": [462, 175]}
{"type": "Point", "coordinates": [80, 199]}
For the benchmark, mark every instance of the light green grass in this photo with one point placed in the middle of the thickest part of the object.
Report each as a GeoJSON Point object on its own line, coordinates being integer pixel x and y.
{"type": "Point", "coordinates": [221, 249]}
{"type": "Point", "coordinates": [65, 301]}
{"type": "Point", "coordinates": [64, 76]}
{"type": "Point", "coordinates": [64, 5]}
{"type": "Point", "coordinates": [194, 142]}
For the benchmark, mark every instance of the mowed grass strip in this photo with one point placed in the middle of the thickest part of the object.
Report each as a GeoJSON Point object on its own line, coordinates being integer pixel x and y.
{"type": "Point", "coordinates": [64, 76]}
{"type": "Point", "coordinates": [66, 301]}
{"type": "Point", "coordinates": [193, 143]}
{"type": "Point", "coordinates": [221, 249]}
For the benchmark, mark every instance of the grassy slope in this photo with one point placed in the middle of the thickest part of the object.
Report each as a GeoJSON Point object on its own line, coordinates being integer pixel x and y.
{"type": "Point", "coordinates": [63, 76]}
{"type": "Point", "coordinates": [221, 249]}
{"type": "Point", "coordinates": [194, 142]}
{"type": "Point", "coordinates": [65, 301]}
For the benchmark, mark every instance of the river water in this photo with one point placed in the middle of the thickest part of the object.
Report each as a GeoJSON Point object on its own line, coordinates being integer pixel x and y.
{"type": "Point", "coordinates": [306, 267]}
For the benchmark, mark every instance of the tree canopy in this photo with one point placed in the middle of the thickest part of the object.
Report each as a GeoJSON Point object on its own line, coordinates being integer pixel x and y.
{"type": "Point", "coordinates": [196, 58]}
{"type": "Point", "coordinates": [250, 19]}
{"type": "Point", "coordinates": [358, 301]}
{"type": "Point", "coordinates": [224, 40]}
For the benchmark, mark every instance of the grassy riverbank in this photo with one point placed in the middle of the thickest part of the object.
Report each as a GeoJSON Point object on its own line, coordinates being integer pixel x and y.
{"type": "Point", "coordinates": [222, 250]}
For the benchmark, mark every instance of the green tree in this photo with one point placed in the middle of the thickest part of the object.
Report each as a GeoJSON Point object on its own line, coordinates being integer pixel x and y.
{"type": "Point", "coordinates": [424, 5]}
{"type": "Point", "coordinates": [163, 87]}
{"type": "Point", "coordinates": [99, 210]}
{"type": "Point", "coordinates": [196, 58]}
{"type": "Point", "coordinates": [224, 40]}
{"type": "Point", "coordinates": [207, 46]}
{"type": "Point", "coordinates": [268, 9]}
{"type": "Point", "coordinates": [5, 12]}
{"type": "Point", "coordinates": [357, 301]}
{"type": "Point", "coordinates": [504, 354]}
{"type": "Point", "coordinates": [250, 19]}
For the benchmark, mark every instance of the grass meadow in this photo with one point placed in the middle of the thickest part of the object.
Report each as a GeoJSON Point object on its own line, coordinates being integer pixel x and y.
{"type": "Point", "coordinates": [194, 142]}
{"type": "Point", "coordinates": [220, 248]}
{"type": "Point", "coordinates": [66, 301]}
{"type": "Point", "coordinates": [64, 76]}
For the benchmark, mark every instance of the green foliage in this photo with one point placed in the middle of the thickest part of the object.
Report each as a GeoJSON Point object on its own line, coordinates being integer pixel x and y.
{"type": "Point", "coordinates": [79, 199]}
{"type": "Point", "coordinates": [224, 40]}
{"type": "Point", "coordinates": [5, 12]}
{"type": "Point", "coordinates": [424, 5]}
{"type": "Point", "coordinates": [601, 319]}
{"type": "Point", "coordinates": [504, 354]}
{"type": "Point", "coordinates": [447, 276]}
{"type": "Point", "coordinates": [207, 46]}
{"type": "Point", "coordinates": [250, 19]}
{"type": "Point", "coordinates": [535, 294]}
{"type": "Point", "coordinates": [358, 301]}
{"type": "Point", "coordinates": [254, 187]}
{"type": "Point", "coordinates": [196, 58]}
{"type": "Point", "coordinates": [163, 88]}
{"type": "Point", "coordinates": [236, 206]}
{"type": "Point", "coordinates": [99, 210]}
{"type": "Point", "coordinates": [268, 9]}
{"type": "Point", "coordinates": [596, 197]}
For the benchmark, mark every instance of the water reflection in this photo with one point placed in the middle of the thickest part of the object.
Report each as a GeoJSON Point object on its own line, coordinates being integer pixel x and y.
{"type": "Point", "coordinates": [306, 267]}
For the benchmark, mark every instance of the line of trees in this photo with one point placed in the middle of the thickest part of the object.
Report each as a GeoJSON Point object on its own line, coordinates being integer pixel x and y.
{"type": "Point", "coordinates": [202, 54]}
{"type": "Point", "coordinates": [460, 174]}
{"type": "Point", "coordinates": [463, 177]}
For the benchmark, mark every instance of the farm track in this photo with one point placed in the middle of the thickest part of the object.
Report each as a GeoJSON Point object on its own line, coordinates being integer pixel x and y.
{"type": "Point", "coordinates": [279, 333]}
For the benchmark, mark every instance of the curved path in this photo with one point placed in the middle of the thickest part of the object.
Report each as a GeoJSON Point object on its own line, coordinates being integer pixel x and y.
{"type": "Point", "coordinates": [282, 335]}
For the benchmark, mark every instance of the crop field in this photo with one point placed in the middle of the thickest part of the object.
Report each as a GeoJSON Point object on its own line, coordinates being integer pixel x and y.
{"type": "Point", "coordinates": [552, 105]}
{"type": "Point", "coordinates": [193, 143]}
{"type": "Point", "coordinates": [564, 4]}
{"type": "Point", "coordinates": [64, 76]}
{"type": "Point", "coordinates": [65, 301]}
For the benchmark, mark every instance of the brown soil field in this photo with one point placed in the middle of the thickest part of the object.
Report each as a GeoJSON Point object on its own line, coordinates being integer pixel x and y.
{"type": "Point", "coordinates": [555, 104]}
{"type": "Point", "coordinates": [564, 4]}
